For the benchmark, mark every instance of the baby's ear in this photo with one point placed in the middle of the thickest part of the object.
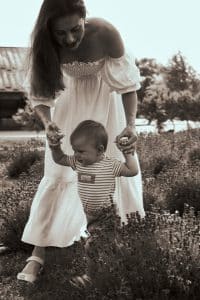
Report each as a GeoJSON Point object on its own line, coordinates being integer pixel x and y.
{"type": "Point", "coordinates": [100, 149]}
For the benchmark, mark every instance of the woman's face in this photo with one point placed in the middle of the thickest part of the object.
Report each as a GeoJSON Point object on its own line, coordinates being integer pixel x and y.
{"type": "Point", "coordinates": [68, 31]}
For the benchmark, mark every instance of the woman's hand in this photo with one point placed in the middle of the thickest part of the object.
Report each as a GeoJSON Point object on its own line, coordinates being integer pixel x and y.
{"type": "Point", "coordinates": [53, 134]}
{"type": "Point", "coordinates": [129, 146]}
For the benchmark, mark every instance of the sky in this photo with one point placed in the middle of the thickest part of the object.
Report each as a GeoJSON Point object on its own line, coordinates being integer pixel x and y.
{"type": "Point", "coordinates": [149, 28]}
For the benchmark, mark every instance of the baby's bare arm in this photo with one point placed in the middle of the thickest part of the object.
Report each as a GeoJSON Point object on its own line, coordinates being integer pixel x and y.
{"type": "Point", "coordinates": [59, 156]}
{"type": "Point", "coordinates": [130, 167]}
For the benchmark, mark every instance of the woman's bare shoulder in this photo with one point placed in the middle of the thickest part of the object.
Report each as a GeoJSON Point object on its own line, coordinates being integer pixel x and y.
{"type": "Point", "coordinates": [109, 36]}
{"type": "Point", "coordinates": [100, 22]}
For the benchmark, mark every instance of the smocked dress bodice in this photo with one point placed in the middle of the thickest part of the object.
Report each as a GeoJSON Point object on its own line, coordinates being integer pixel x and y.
{"type": "Point", "coordinates": [118, 74]}
{"type": "Point", "coordinates": [82, 69]}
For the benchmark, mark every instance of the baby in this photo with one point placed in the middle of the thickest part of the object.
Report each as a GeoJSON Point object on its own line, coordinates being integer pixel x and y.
{"type": "Point", "coordinates": [96, 174]}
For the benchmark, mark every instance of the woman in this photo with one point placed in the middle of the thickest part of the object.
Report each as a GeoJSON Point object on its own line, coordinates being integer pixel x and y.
{"type": "Point", "coordinates": [79, 67]}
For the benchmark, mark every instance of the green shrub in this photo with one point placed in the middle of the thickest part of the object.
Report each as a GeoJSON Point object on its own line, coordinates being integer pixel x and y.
{"type": "Point", "coordinates": [15, 205]}
{"type": "Point", "coordinates": [194, 154]}
{"type": "Point", "coordinates": [3, 154]}
{"type": "Point", "coordinates": [167, 156]}
{"type": "Point", "coordinates": [13, 226]}
{"type": "Point", "coordinates": [184, 190]}
{"type": "Point", "coordinates": [150, 192]}
{"type": "Point", "coordinates": [163, 163]}
{"type": "Point", "coordinates": [157, 257]}
{"type": "Point", "coordinates": [22, 163]}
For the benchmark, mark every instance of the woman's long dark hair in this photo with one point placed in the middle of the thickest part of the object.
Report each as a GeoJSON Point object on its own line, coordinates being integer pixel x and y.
{"type": "Point", "coordinates": [46, 76]}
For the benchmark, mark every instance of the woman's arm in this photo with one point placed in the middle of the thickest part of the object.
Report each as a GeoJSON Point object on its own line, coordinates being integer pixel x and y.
{"type": "Point", "coordinates": [130, 108]}
{"type": "Point", "coordinates": [53, 132]}
{"type": "Point", "coordinates": [43, 112]}
{"type": "Point", "coordinates": [115, 48]}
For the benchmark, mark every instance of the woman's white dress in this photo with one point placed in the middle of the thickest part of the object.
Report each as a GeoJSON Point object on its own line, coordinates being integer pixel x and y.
{"type": "Point", "coordinates": [93, 91]}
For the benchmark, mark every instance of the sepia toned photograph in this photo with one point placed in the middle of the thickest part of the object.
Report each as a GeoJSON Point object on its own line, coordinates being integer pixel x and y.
{"type": "Point", "coordinates": [99, 150]}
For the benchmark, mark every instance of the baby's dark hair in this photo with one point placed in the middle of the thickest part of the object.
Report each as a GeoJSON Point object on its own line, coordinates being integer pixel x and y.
{"type": "Point", "coordinates": [92, 130]}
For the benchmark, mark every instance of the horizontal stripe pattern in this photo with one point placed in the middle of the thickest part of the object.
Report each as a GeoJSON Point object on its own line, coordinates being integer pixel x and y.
{"type": "Point", "coordinates": [96, 182]}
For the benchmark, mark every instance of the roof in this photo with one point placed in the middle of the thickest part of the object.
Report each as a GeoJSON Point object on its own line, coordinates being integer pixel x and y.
{"type": "Point", "coordinates": [12, 68]}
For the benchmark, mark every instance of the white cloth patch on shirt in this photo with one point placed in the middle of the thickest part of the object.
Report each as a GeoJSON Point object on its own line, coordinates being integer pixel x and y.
{"type": "Point", "coordinates": [86, 177]}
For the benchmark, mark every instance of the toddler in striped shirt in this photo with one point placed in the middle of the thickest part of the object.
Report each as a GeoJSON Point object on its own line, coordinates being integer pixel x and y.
{"type": "Point", "coordinates": [96, 172]}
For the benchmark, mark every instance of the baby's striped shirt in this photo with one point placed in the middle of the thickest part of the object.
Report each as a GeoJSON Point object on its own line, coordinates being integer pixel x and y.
{"type": "Point", "coordinates": [96, 182]}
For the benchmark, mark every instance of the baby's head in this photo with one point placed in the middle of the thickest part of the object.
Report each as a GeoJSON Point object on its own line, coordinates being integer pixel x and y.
{"type": "Point", "coordinates": [89, 141]}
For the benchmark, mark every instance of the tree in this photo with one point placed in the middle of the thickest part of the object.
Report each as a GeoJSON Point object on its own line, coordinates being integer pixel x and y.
{"type": "Point", "coordinates": [161, 104]}
{"type": "Point", "coordinates": [188, 107]}
{"type": "Point", "coordinates": [171, 106]}
{"type": "Point", "coordinates": [149, 71]}
{"type": "Point", "coordinates": [179, 76]}
{"type": "Point", "coordinates": [153, 105]}
{"type": "Point", "coordinates": [169, 92]}
{"type": "Point", "coordinates": [196, 108]}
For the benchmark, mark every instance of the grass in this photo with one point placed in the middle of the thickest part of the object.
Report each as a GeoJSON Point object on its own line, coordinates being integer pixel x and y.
{"type": "Point", "coordinates": [158, 256]}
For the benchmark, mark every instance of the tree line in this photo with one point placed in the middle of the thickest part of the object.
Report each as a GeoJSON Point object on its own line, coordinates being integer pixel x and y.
{"type": "Point", "coordinates": [168, 92]}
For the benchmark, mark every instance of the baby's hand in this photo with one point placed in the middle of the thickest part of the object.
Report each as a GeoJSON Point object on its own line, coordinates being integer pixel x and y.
{"type": "Point", "coordinates": [53, 134]}
{"type": "Point", "coordinates": [123, 142]}
{"type": "Point", "coordinates": [128, 145]}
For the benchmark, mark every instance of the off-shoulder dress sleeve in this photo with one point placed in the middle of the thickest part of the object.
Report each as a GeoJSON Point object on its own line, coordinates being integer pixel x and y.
{"type": "Point", "coordinates": [34, 101]}
{"type": "Point", "coordinates": [121, 74]}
